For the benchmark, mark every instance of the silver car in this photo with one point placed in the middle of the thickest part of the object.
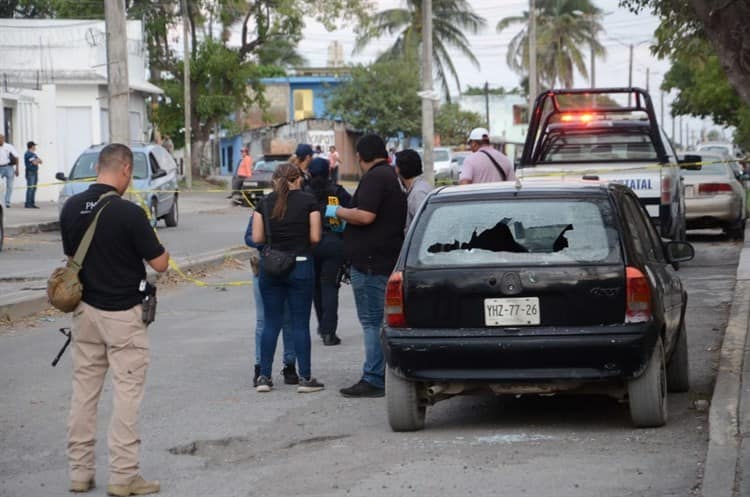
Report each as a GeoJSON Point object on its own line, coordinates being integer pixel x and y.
{"type": "Point", "coordinates": [715, 198]}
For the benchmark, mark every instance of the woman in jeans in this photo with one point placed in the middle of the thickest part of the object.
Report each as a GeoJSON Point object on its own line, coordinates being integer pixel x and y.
{"type": "Point", "coordinates": [329, 253]}
{"type": "Point", "coordinates": [295, 224]}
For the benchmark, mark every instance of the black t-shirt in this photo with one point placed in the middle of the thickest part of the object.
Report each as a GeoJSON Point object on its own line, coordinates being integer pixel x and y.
{"type": "Point", "coordinates": [113, 267]}
{"type": "Point", "coordinates": [374, 248]}
{"type": "Point", "coordinates": [292, 232]}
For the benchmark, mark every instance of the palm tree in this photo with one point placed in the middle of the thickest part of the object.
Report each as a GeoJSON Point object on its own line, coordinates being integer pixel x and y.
{"type": "Point", "coordinates": [563, 28]}
{"type": "Point", "coordinates": [450, 19]}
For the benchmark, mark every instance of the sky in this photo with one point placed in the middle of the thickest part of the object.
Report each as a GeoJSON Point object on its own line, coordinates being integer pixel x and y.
{"type": "Point", "coordinates": [621, 27]}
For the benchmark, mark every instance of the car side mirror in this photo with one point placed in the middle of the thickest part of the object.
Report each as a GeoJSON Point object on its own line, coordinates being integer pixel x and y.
{"type": "Point", "coordinates": [159, 174]}
{"type": "Point", "coordinates": [691, 162]}
{"type": "Point", "coordinates": [679, 251]}
{"type": "Point", "coordinates": [60, 177]}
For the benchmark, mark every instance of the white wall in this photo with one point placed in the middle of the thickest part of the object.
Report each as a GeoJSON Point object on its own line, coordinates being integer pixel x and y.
{"type": "Point", "coordinates": [501, 114]}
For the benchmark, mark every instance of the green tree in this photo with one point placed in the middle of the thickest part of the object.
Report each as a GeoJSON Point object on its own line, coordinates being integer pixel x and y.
{"type": "Point", "coordinates": [454, 125]}
{"type": "Point", "coordinates": [722, 23]}
{"type": "Point", "coordinates": [380, 98]}
{"type": "Point", "coordinates": [450, 20]}
{"type": "Point", "coordinates": [564, 29]}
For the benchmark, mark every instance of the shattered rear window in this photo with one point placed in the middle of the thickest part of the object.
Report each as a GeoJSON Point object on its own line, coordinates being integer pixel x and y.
{"type": "Point", "coordinates": [527, 232]}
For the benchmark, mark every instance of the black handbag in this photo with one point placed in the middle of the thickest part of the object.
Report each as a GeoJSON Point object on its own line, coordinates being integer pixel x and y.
{"type": "Point", "coordinates": [276, 263]}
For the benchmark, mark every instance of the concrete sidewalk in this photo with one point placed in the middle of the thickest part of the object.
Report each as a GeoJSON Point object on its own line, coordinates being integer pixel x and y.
{"type": "Point", "coordinates": [727, 469]}
{"type": "Point", "coordinates": [19, 220]}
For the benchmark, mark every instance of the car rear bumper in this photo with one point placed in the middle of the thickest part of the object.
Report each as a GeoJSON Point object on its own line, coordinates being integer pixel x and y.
{"type": "Point", "coordinates": [709, 211]}
{"type": "Point", "coordinates": [543, 354]}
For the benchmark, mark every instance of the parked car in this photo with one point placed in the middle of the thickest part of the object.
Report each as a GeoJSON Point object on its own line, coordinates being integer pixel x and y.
{"type": "Point", "coordinates": [155, 181]}
{"type": "Point", "coordinates": [444, 167]}
{"type": "Point", "coordinates": [715, 198]}
{"type": "Point", "coordinates": [259, 184]}
{"type": "Point", "coordinates": [723, 148]}
{"type": "Point", "coordinates": [557, 287]}
{"type": "Point", "coordinates": [459, 158]}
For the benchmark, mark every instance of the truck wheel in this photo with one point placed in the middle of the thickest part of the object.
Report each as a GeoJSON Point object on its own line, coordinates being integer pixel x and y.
{"type": "Point", "coordinates": [173, 216]}
{"type": "Point", "coordinates": [678, 369]}
{"type": "Point", "coordinates": [404, 411]}
{"type": "Point", "coordinates": [648, 392]}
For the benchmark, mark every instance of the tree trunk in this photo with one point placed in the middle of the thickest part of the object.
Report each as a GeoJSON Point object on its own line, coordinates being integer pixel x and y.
{"type": "Point", "coordinates": [725, 23]}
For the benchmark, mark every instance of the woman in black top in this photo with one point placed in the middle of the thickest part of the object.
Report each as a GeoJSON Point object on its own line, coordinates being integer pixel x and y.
{"type": "Point", "coordinates": [329, 253]}
{"type": "Point", "coordinates": [295, 225]}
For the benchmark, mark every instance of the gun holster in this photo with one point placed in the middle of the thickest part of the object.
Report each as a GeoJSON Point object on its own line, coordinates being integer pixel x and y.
{"type": "Point", "coordinates": [148, 313]}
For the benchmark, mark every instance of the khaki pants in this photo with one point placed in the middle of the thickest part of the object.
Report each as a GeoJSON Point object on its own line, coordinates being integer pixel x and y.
{"type": "Point", "coordinates": [103, 339]}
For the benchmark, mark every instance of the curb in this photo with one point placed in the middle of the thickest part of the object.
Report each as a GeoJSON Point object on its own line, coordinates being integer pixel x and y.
{"type": "Point", "coordinates": [34, 302]}
{"type": "Point", "coordinates": [721, 468]}
{"type": "Point", "coordinates": [20, 229]}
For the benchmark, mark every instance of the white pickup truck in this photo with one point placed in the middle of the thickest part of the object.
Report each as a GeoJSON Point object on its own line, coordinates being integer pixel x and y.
{"type": "Point", "coordinates": [610, 135]}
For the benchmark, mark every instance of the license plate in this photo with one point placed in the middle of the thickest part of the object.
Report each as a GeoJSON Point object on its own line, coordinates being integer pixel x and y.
{"type": "Point", "coordinates": [251, 183]}
{"type": "Point", "coordinates": [511, 312]}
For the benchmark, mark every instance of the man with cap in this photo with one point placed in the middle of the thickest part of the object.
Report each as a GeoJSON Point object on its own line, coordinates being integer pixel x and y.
{"type": "Point", "coordinates": [301, 158]}
{"type": "Point", "coordinates": [486, 164]}
{"type": "Point", "coordinates": [409, 167]}
{"type": "Point", "coordinates": [372, 242]}
{"type": "Point", "coordinates": [31, 163]}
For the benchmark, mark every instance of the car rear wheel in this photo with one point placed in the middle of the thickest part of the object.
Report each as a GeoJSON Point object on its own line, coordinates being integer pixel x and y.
{"type": "Point", "coordinates": [404, 411]}
{"type": "Point", "coordinates": [678, 370]}
{"type": "Point", "coordinates": [648, 392]}
{"type": "Point", "coordinates": [737, 231]}
{"type": "Point", "coordinates": [173, 214]}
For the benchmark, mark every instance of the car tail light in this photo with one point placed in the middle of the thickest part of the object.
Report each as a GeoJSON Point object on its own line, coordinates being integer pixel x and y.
{"type": "Point", "coordinates": [666, 190]}
{"type": "Point", "coordinates": [638, 305]}
{"type": "Point", "coordinates": [394, 301]}
{"type": "Point", "coordinates": [710, 188]}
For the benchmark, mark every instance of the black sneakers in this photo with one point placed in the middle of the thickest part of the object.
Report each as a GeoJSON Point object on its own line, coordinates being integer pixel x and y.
{"type": "Point", "coordinates": [290, 374]}
{"type": "Point", "coordinates": [330, 339]}
{"type": "Point", "coordinates": [309, 386]}
{"type": "Point", "coordinates": [363, 389]}
{"type": "Point", "coordinates": [256, 375]}
{"type": "Point", "coordinates": [264, 384]}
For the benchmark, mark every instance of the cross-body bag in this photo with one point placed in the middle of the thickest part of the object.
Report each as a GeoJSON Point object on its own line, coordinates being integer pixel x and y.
{"type": "Point", "coordinates": [497, 166]}
{"type": "Point", "coordinates": [276, 263]}
{"type": "Point", "coordinates": [64, 288]}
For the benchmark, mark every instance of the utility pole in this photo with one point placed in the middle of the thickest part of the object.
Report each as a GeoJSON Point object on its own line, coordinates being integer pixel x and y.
{"type": "Point", "coordinates": [593, 69]}
{"type": "Point", "coordinates": [487, 103]}
{"type": "Point", "coordinates": [187, 102]}
{"type": "Point", "coordinates": [630, 75]}
{"type": "Point", "coordinates": [532, 56]}
{"type": "Point", "coordinates": [648, 79]}
{"type": "Point", "coordinates": [674, 120]}
{"type": "Point", "coordinates": [428, 125]}
{"type": "Point", "coordinates": [117, 71]}
{"type": "Point", "coordinates": [661, 108]}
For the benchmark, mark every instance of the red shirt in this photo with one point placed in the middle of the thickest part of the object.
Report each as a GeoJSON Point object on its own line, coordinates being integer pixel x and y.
{"type": "Point", "coordinates": [246, 167]}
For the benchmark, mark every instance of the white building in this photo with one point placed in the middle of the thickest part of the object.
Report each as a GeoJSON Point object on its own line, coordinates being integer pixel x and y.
{"type": "Point", "coordinates": [53, 91]}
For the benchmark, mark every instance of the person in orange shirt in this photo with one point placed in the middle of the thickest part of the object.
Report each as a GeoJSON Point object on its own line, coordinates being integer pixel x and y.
{"type": "Point", "coordinates": [244, 171]}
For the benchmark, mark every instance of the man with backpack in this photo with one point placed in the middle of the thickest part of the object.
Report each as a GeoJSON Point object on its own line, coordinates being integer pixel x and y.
{"type": "Point", "coordinates": [485, 165]}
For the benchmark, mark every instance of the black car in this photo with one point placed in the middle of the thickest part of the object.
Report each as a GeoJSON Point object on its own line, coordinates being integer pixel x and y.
{"type": "Point", "coordinates": [532, 289]}
{"type": "Point", "coordinates": [259, 184]}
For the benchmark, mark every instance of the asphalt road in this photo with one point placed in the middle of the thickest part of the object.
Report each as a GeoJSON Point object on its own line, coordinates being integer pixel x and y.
{"type": "Point", "coordinates": [206, 432]}
{"type": "Point", "coordinates": [28, 259]}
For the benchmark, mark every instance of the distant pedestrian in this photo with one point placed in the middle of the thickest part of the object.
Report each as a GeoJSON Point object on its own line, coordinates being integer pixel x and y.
{"type": "Point", "coordinates": [31, 169]}
{"type": "Point", "coordinates": [329, 253]}
{"type": "Point", "coordinates": [8, 167]}
{"type": "Point", "coordinates": [409, 167]}
{"type": "Point", "coordinates": [372, 242]}
{"type": "Point", "coordinates": [168, 144]}
{"type": "Point", "coordinates": [108, 327]}
{"type": "Point", "coordinates": [294, 226]}
{"type": "Point", "coordinates": [244, 172]}
{"type": "Point", "coordinates": [486, 164]}
{"type": "Point", "coordinates": [334, 159]}
{"type": "Point", "coordinates": [289, 372]}
{"type": "Point", "coordinates": [301, 158]}
{"type": "Point", "coordinates": [318, 152]}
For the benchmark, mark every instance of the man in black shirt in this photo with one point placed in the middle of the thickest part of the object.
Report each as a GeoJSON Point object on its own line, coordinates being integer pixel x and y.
{"type": "Point", "coordinates": [372, 242]}
{"type": "Point", "coordinates": [108, 330]}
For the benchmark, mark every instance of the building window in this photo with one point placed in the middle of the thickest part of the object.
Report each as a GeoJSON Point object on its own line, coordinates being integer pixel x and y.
{"type": "Point", "coordinates": [303, 104]}
{"type": "Point", "coordinates": [520, 114]}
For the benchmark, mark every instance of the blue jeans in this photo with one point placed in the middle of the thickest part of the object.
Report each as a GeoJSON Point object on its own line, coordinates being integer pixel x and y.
{"type": "Point", "coordinates": [286, 330]}
{"type": "Point", "coordinates": [369, 296]}
{"type": "Point", "coordinates": [9, 173]}
{"type": "Point", "coordinates": [32, 178]}
{"type": "Point", "coordinates": [329, 256]}
{"type": "Point", "coordinates": [296, 291]}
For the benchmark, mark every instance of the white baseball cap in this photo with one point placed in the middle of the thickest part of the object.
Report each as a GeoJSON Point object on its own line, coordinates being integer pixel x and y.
{"type": "Point", "coordinates": [479, 134]}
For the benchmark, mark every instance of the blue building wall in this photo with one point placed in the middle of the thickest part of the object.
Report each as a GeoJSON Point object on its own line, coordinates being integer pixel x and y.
{"type": "Point", "coordinates": [230, 154]}
{"type": "Point", "coordinates": [321, 86]}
